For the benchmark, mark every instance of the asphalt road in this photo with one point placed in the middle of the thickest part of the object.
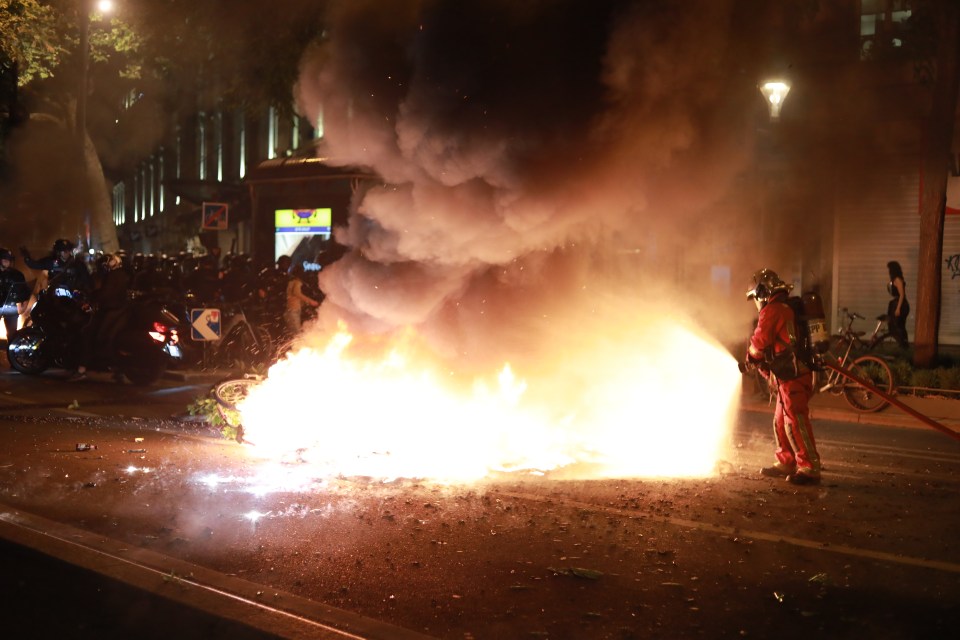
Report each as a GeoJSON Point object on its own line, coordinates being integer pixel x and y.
{"type": "Point", "coordinates": [869, 553]}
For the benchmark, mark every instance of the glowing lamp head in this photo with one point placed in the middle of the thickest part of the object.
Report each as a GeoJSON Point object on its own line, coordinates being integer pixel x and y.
{"type": "Point", "coordinates": [104, 6]}
{"type": "Point", "coordinates": [775, 92]}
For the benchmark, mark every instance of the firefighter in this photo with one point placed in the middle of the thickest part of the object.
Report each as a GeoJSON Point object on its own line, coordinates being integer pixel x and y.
{"type": "Point", "coordinates": [773, 340]}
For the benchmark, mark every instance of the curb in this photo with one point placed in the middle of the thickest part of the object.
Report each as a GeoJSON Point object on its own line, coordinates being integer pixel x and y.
{"type": "Point", "coordinates": [942, 410]}
{"type": "Point", "coordinates": [221, 595]}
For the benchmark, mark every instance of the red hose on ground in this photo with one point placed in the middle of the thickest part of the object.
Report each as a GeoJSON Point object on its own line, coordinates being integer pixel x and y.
{"type": "Point", "coordinates": [910, 410]}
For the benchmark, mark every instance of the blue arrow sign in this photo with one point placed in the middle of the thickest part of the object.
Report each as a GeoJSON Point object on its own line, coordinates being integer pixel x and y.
{"type": "Point", "coordinates": [205, 324]}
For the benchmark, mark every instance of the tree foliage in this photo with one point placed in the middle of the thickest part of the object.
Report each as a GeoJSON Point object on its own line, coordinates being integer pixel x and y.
{"type": "Point", "coordinates": [234, 53]}
{"type": "Point", "coordinates": [32, 38]}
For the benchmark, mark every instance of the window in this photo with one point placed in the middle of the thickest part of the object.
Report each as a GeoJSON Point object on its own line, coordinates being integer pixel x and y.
{"type": "Point", "coordinates": [273, 133]}
{"type": "Point", "coordinates": [119, 204]}
{"type": "Point", "coordinates": [881, 24]}
{"type": "Point", "coordinates": [178, 162]}
{"type": "Point", "coordinates": [160, 178]}
{"type": "Point", "coordinates": [242, 143]}
{"type": "Point", "coordinates": [202, 146]}
{"type": "Point", "coordinates": [218, 143]}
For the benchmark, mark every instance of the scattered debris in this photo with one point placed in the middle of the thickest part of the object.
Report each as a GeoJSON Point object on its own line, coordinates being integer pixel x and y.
{"type": "Point", "coordinates": [83, 446]}
{"type": "Point", "coordinates": [577, 572]}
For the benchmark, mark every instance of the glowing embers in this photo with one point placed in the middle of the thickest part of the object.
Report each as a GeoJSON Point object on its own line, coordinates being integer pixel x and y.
{"type": "Point", "coordinates": [254, 516]}
{"type": "Point", "coordinates": [266, 479]}
{"type": "Point", "coordinates": [657, 402]}
{"type": "Point", "coordinates": [132, 470]}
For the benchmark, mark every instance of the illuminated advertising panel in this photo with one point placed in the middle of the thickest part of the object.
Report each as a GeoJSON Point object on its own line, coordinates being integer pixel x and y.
{"type": "Point", "coordinates": [301, 233]}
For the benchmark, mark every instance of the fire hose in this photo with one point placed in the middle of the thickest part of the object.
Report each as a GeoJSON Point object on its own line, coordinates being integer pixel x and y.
{"type": "Point", "coordinates": [930, 422]}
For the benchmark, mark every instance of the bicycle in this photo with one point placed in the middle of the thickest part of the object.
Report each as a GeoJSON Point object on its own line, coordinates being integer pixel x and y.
{"type": "Point", "coordinates": [229, 394]}
{"type": "Point", "coordinates": [244, 344]}
{"type": "Point", "coordinates": [868, 368]}
{"type": "Point", "coordinates": [876, 338]}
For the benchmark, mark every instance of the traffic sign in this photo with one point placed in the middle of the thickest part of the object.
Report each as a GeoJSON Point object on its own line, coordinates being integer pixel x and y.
{"type": "Point", "coordinates": [205, 324]}
{"type": "Point", "coordinates": [214, 216]}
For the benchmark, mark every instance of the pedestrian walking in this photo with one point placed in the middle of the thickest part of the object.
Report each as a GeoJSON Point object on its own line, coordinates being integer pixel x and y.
{"type": "Point", "coordinates": [899, 307]}
{"type": "Point", "coordinates": [772, 348]}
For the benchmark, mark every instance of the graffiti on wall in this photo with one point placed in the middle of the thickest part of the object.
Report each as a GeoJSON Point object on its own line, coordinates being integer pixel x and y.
{"type": "Point", "coordinates": [953, 264]}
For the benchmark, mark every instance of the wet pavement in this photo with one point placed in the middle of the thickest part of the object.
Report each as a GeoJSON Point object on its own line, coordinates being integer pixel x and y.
{"type": "Point", "coordinates": [868, 553]}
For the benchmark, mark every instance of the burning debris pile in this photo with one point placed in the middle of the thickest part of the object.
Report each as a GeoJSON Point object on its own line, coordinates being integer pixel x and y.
{"type": "Point", "coordinates": [508, 298]}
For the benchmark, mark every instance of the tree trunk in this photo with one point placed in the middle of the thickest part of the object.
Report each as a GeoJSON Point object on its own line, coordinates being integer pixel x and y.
{"type": "Point", "coordinates": [103, 231]}
{"type": "Point", "coordinates": [95, 197]}
{"type": "Point", "coordinates": [933, 192]}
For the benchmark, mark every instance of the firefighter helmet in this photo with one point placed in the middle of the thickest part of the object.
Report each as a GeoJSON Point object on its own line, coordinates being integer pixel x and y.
{"type": "Point", "coordinates": [766, 283]}
{"type": "Point", "coordinates": [6, 254]}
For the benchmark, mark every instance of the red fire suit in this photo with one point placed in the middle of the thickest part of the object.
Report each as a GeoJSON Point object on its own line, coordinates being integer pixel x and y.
{"type": "Point", "coordinates": [796, 448]}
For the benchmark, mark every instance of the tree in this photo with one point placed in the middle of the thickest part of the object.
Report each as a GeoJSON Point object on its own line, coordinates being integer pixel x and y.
{"type": "Point", "coordinates": [233, 53]}
{"type": "Point", "coordinates": [42, 39]}
{"type": "Point", "coordinates": [934, 170]}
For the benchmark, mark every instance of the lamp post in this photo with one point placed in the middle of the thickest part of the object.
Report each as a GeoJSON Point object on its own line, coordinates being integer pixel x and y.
{"type": "Point", "coordinates": [80, 125]}
{"type": "Point", "coordinates": [102, 6]}
{"type": "Point", "coordinates": [774, 91]}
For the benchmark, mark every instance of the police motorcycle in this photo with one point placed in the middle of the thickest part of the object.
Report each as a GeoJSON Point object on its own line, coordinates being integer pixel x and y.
{"type": "Point", "coordinates": [139, 343]}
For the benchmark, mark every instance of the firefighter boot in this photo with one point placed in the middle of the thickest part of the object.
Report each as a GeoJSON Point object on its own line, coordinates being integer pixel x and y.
{"type": "Point", "coordinates": [778, 470]}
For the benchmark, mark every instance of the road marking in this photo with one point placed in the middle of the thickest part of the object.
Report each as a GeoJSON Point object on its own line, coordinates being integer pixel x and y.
{"type": "Point", "coordinates": [950, 567]}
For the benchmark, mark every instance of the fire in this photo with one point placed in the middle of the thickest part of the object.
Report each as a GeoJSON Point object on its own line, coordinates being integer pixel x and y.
{"type": "Point", "coordinates": [654, 404]}
{"type": "Point", "coordinates": [3, 328]}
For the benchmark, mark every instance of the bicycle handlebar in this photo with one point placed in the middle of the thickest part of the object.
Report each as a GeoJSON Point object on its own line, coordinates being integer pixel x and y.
{"type": "Point", "coordinates": [852, 315]}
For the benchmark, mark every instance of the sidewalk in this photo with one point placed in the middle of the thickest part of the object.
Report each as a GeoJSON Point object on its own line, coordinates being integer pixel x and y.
{"type": "Point", "coordinates": [825, 406]}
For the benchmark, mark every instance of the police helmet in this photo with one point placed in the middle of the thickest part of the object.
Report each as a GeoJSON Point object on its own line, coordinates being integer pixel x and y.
{"type": "Point", "coordinates": [112, 261]}
{"type": "Point", "coordinates": [63, 244]}
{"type": "Point", "coordinates": [6, 254]}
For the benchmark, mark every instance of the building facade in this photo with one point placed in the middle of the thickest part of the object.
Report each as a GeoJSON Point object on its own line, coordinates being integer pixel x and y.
{"type": "Point", "coordinates": [837, 176]}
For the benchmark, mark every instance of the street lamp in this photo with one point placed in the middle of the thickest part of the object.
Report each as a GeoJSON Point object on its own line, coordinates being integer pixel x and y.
{"type": "Point", "coordinates": [775, 92]}
{"type": "Point", "coordinates": [80, 124]}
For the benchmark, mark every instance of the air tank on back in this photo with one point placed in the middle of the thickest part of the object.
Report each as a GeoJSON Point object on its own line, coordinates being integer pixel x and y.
{"type": "Point", "coordinates": [816, 321]}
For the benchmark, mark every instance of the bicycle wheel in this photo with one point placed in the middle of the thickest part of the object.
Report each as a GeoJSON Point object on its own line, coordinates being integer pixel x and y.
{"type": "Point", "coordinates": [231, 392]}
{"type": "Point", "coordinates": [875, 371]}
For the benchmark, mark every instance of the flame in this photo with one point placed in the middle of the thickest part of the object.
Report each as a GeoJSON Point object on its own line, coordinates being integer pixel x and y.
{"type": "Point", "coordinates": [659, 405]}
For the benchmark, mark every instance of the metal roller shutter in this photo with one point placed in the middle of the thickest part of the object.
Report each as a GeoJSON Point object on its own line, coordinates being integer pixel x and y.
{"type": "Point", "coordinates": [950, 284]}
{"type": "Point", "coordinates": [874, 225]}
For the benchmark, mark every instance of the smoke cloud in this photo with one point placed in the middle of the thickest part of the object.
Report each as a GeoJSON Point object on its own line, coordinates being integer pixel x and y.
{"type": "Point", "coordinates": [537, 158]}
